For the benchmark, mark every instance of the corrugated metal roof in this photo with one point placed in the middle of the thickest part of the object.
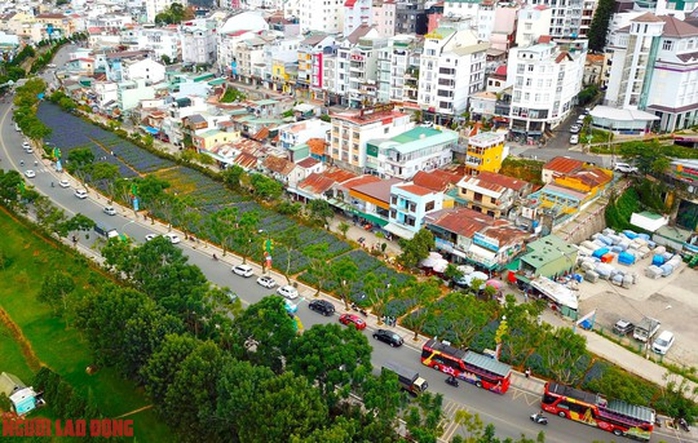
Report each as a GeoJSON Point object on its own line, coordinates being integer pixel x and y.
{"type": "Point", "coordinates": [633, 411]}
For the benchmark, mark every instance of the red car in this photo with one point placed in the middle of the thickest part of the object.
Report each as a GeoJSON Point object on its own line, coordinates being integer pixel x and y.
{"type": "Point", "coordinates": [357, 321]}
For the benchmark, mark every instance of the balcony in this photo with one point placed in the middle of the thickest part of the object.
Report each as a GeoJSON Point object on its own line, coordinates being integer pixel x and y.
{"type": "Point", "coordinates": [473, 161]}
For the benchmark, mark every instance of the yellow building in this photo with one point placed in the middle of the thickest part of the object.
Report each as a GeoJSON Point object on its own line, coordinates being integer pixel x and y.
{"type": "Point", "coordinates": [57, 23]}
{"type": "Point", "coordinates": [485, 153]}
{"type": "Point", "coordinates": [208, 139]}
{"type": "Point", "coordinates": [590, 181]}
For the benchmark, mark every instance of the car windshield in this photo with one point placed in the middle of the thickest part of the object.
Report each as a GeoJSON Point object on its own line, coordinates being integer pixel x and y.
{"type": "Point", "coordinates": [662, 342]}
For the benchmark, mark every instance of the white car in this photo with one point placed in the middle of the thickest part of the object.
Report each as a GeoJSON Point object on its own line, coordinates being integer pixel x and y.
{"type": "Point", "coordinates": [243, 270]}
{"type": "Point", "coordinates": [29, 150]}
{"type": "Point", "coordinates": [81, 194]}
{"type": "Point", "coordinates": [173, 238]}
{"type": "Point", "coordinates": [64, 183]}
{"type": "Point", "coordinates": [109, 210]}
{"type": "Point", "coordinates": [663, 343]}
{"type": "Point", "coordinates": [26, 145]}
{"type": "Point", "coordinates": [625, 168]}
{"type": "Point", "coordinates": [266, 281]}
{"type": "Point", "coordinates": [29, 173]}
{"type": "Point", "coordinates": [288, 291]}
{"type": "Point", "coordinates": [574, 139]}
{"type": "Point", "coordinates": [149, 237]}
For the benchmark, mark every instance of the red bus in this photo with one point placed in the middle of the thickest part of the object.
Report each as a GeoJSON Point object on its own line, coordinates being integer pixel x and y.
{"type": "Point", "coordinates": [480, 370]}
{"type": "Point", "coordinates": [613, 416]}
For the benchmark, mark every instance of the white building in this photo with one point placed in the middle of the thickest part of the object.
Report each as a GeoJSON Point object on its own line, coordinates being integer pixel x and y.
{"type": "Point", "coordinates": [236, 29]}
{"type": "Point", "coordinates": [300, 132]}
{"type": "Point", "coordinates": [198, 43]}
{"type": "Point", "coordinates": [394, 61]}
{"type": "Point", "coordinates": [130, 93]}
{"type": "Point", "coordinates": [351, 131]}
{"type": "Point", "coordinates": [419, 149]}
{"type": "Point", "coordinates": [163, 42]}
{"type": "Point", "coordinates": [452, 68]}
{"type": "Point", "coordinates": [357, 13]}
{"type": "Point", "coordinates": [384, 16]}
{"type": "Point", "coordinates": [357, 67]}
{"type": "Point", "coordinates": [534, 22]}
{"type": "Point", "coordinates": [325, 16]}
{"type": "Point", "coordinates": [654, 69]}
{"type": "Point", "coordinates": [546, 79]}
{"type": "Point", "coordinates": [146, 69]}
{"type": "Point", "coordinates": [570, 18]}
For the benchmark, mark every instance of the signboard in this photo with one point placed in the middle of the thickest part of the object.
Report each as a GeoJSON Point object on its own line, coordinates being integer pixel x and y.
{"type": "Point", "coordinates": [380, 107]}
{"type": "Point", "coordinates": [356, 58]}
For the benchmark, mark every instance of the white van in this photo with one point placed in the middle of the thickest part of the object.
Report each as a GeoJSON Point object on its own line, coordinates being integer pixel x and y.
{"type": "Point", "coordinates": [663, 343]}
{"type": "Point", "coordinates": [574, 139]}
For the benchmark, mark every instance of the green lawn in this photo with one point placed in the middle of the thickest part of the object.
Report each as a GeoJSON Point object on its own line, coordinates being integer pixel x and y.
{"type": "Point", "coordinates": [57, 346]}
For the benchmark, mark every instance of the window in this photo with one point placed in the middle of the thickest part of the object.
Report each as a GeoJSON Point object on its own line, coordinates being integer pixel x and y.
{"type": "Point", "coordinates": [429, 206]}
{"type": "Point", "coordinates": [530, 68]}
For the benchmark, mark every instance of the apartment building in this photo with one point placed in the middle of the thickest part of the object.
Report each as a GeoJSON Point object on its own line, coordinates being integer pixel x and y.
{"type": "Point", "coordinates": [311, 53]}
{"type": "Point", "coordinates": [410, 17]}
{"type": "Point", "coordinates": [570, 18]}
{"type": "Point", "coordinates": [162, 42]}
{"type": "Point", "coordinates": [394, 61]}
{"type": "Point", "coordinates": [653, 69]}
{"type": "Point", "coordinates": [409, 203]}
{"type": "Point", "coordinates": [485, 152]}
{"type": "Point", "coordinates": [357, 67]}
{"type": "Point", "coordinates": [357, 13]}
{"type": "Point", "coordinates": [402, 156]}
{"type": "Point", "coordinates": [490, 193]}
{"type": "Point", "coordinates": [198, 43]}
{"type": "Point", "coordinates": [452, 68]}
{"type": "Point", "coordinates": [325, 16]}
{"type": "Point", "coordinates": [352, 130]}
{"type": "Point", "coordinates": [546, 79]}
{"type": "Point", "coordinates": [384, 17]}
{"type": "Point", "coordinates": [533, 23]}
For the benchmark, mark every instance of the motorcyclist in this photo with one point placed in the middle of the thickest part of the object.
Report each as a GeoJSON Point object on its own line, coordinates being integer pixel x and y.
{"type": "Point", "coordinates": [215, 257]}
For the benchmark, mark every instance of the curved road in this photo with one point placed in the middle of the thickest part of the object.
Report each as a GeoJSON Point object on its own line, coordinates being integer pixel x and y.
{"type": "Point", "coordinates": [509, 413]}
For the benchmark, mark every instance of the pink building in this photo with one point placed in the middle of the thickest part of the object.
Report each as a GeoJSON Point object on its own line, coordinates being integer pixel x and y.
{"type": "Point", "coordinates": [384, 16]}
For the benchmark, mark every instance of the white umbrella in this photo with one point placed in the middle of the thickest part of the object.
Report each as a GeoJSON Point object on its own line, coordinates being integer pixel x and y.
{"type": "Point", "coordinates": [440, 265]}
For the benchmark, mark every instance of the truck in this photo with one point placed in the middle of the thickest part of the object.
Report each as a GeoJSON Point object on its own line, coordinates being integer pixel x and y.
{"type": "Point", "coordinates": [409, 379]}
{"type": "Point", "coordinates": [646, 329]}
{"type": "Point", "coordinates": [105, 231]}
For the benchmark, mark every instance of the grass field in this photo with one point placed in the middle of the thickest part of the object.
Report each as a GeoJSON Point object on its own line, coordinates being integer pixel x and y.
{"type": "Point", "coordinates": [57, 346]}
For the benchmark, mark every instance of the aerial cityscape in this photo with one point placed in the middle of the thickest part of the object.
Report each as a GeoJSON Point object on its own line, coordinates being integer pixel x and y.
{"type": "Point", "coordinates": [455, 221]}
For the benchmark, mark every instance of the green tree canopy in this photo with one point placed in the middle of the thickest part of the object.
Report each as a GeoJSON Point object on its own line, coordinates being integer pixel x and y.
{"type": "Point", "coordinates": [416, 249]}
{"type": "Point", "coordinates": [599, 25]}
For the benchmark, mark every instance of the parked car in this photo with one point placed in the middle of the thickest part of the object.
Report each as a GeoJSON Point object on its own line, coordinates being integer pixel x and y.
{"type": "Point", "coordinates": [26, 145]}
{"type": "Point", "coordinates": [353, 319]}
{"type": "Point", "coordinates": [663, 343]}
{"type": "Point", "coordinates": [389, 337]}
{"type": "Point", "coordinates": [81, 194]}
{"type": "Point", "coordinates": [232, 297]}
{"type": "Point", "coordinates": [29, 173]}
{"type": "Point", "coordinates": [173, 238]}
{"type": "Point", "coordinates": [109, 210]}
{"type": "Point", "coordinates": [243, 270]}
{"type": "Point", "coordinates": [623, 327]}
{"type": "Point", "coordinates": [574, 139]}
{"type": "Point", "coordinates": [266, 281]}
{"type": "Point", "coordinates": [574, 129]}
{"type": "Point", "coordinates": [288, 291]}
{"type": "Point", "coordinates": [322, 307]}
{"type": "Point", "coordinates": [150, 237]}
{"type": "Point", "coordinates": [64, 183]}
{"type": "Point", "coordinates": [625, 168]}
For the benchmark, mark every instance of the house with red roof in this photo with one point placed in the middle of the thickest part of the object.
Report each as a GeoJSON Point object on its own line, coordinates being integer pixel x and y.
{"type": "Point", "coordinates": [409, 203]}
{"type": "Point", "coordinates": [491, 193]}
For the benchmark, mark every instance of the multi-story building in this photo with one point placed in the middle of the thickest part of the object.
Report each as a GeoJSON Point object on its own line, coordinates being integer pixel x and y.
{"type": "Point", "coordinates": [147, 69]}
{"type": "Point", "coordinates": [311, 71]}
{"type": "Point", "coordinates": [130, 93]}
{"type": "Point", "coordinates": [154, 7]}
{"type": "Point", "coordinates": [410, 17]}
{"type": "Point", "coordinates": [452, 67]}
{"type": "Point", "coordinates": [653, 69]}
{"type": "Point", "coordinates": [358, 67]}
{"type": "Point", "coordinates": [198, 43]}
{"type": "Point", "coordinates": [56, 25]}
{"type": "Point", "coordinates": [357, 13]}
{"type": "Point", "coordinates": [325, 16]}
{"type": "Point", "coordinates": [384, 17]}
{"type": "Point", "coordinates": [402, 156]}
{"type": "Point", "coordinates": [236, 29]}
{"type": "Point", "coordinates": [490, 193]}
{"type": "Point", "coordinates": [546, 79]}
{"type": "Point", "coordinates": [163, 42]}
{"type": "Point", "coordinates": [300, 132]}
{"type": "Point", "coordinates": [533, 22]}
{"type": "Point", "coordinates": [351, 131]}
{"type": "Point", "coordinates": [409, 203]}
{"type": "Point", "coordinates": [570, 18]}
{"type": "Point", "coordinates": [393, 62]}
{"type": "Point", "coordinates": [485, 153]}
{"type": "Point", "coordinates": [280, 56]}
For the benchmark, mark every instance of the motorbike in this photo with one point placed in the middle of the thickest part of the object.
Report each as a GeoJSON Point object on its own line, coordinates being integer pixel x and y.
{"type": "Point", "coordinates": [453, 381]}
{"type": "Point", "coordinates": [539, 418]}
{"type": "Point", "coordinates": [683, 424]}
{"type": "Point", "coordinates": [359, 309]}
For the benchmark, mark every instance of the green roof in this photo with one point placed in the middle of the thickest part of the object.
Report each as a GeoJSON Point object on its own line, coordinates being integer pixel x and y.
{"type": "Point", "coordinates": [209, 133]}
{"type": "Point", "coordinates": [217, 82]}
{"type": "Point", "coordinates": [265, 102]}
{"type": "Point", "coordinates": [418, 138]}
{"type": "Point", "coordinates": [299, 147]}
{"type": "Point", "coordinates": [650, 215]}
{"type": "Point", "coordinates": [416, 133]}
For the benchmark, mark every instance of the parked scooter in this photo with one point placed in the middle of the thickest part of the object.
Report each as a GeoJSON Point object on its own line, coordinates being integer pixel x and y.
{"type": "Point", "coordinates": [453, 381]}
{"type": "Point", "coordinates": [683, 424]}
{"type": "Point", "coordinates": [539, 418]}
{"type": "Point", "coordinates": [359, 309]}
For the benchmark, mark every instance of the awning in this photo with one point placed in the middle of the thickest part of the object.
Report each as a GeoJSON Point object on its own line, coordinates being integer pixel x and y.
{"type": "Point", "coordinates": [399, 231]}
{"type": "Point", "coordinates": [371, 217]}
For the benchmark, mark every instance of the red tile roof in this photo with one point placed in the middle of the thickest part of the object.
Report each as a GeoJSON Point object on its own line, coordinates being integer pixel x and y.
{"type": "Point", "coordinates": [308, 162]}
{"type": "Point", "coordinates": [380, 190]}
{"type": "Point", "coordinates": [461, 221]}
{"type": "Point", "coordinates": [246, 161]}
{"type": "Point", "coordinates": [416, 189]}
{"type": "Point", "coordinates": [317, 146]}
{"type": "Point", "coordinates": [316, 184]}
{"type": "Point", "coordinates": [436, 180]}
{"type": "Point", "coordinates": [338, 175]}
{"type": "Point", "coordinates": [279, 165]}
{"type": "Point", "coordinates": [502, 180]}
{"type": "Point", "coordinates": [564, 165]}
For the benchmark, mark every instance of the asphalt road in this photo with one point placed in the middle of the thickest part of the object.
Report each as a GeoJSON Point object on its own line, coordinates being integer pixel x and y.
{"type": "Point", "coordinates": [509, 413]}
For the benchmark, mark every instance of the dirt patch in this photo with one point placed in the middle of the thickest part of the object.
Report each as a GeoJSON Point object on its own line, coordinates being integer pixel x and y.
{"type": "Point", "coordinates": [32, 360]}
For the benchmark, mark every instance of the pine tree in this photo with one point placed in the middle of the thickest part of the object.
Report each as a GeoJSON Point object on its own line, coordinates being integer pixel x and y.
{"type": "Point", "coordinates": [599, 25]}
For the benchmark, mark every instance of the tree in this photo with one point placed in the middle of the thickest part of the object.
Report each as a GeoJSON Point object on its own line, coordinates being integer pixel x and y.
{"type": "Point", "coordinates": [232, 176]}
{"type": "Point", "coordinates": [291, 241]}
{"type": "Point", "coordinates": [78, 222]}
{"type": "Point", "coordinates": [47, 215]}
{"type": "Point", "coordinates": [286, 405]}
{"type": "Point", "coordinates": [263, 334]}
{"type": "Point", "coordinates": [107, 173]}
{"type": "Point", "coordinates": [343, 227]}
{"type": "Point", "coordinates": [80, 162]}
{"type": "Point", "coordinates": [320, 211]}
{"type": "Point", "coordinates": [162, 366]}
{"type": "Point", "coordinates": [266, 188]}
{"type": "Point", "coordinates": [649, 158]}
{"type": "Point", "coordinates": [416, 249]}
{"type": "Point", "coordinates": [11, 183]}
{"type": "Point", "coordinates": [223, 224]}
{"type": "Point", "coordinates": [55, 288]}
{"type": "Point", "coordinates": [452, 273]}
{"type": "Point", "coordinates": [319, 264]}
{"type": "Point", "coordinates": [599, 25]}
{"type": "Point", "coordinates": [336, 358]}
{"type": "Point", "coordinates": [345, 273]}
{"type": "Point", "coordinates": [424, 294]}
{"type": "Point", "coordinates": [245, 237]}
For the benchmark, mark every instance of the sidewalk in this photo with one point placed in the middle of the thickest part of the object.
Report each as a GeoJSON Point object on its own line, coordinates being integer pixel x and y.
{"type": "Point", "coordinates": [355, 232]}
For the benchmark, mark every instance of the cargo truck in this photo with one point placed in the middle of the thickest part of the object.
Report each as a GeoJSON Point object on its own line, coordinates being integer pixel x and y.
{"type": "Point", "coordinates": [409, 379]}
{"type": "Point", "coordinates": [646, 329]}
{"type": "Point", "coordinates": [106, 232]}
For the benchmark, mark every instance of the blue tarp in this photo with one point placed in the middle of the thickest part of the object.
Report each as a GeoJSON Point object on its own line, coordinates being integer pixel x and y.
{"type": "Point", "coordinates": [150, 130]}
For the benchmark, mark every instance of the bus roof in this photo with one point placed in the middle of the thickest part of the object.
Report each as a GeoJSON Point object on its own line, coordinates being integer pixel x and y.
{"type": "Point", "coordinates": [447, 349]}
{"type": "Point", "coordinates": [576, 394]}
{"type": "Point", "coordinates": [641, 413]}
{"type": "Point", "coordinates": [487, 363]}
